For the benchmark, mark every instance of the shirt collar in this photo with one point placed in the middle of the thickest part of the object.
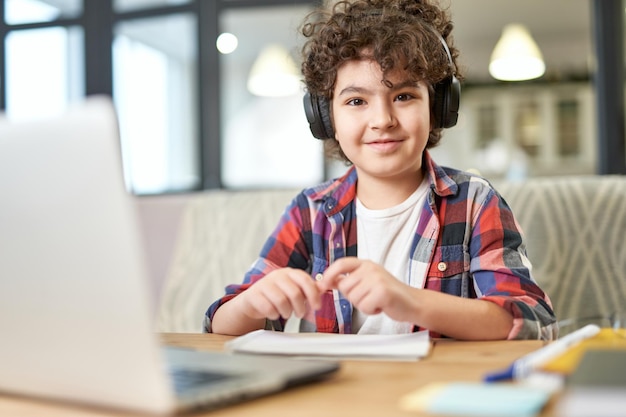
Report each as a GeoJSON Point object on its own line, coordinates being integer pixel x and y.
{"type": "Point", "coordinates": [441, 183]}
{"type": "Point", "coordinates": [339, 193]}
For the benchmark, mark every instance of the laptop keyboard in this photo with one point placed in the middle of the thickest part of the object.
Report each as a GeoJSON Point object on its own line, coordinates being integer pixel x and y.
{"type": "Point", "coordinates": [184, 379]}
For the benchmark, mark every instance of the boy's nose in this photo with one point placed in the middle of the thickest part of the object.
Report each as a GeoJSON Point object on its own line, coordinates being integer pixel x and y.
{"type": "Point", "coordinates": [382, 117]}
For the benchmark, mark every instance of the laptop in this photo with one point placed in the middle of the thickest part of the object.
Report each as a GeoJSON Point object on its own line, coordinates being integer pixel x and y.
{"type": "Point", "coordinates": [75, 311]}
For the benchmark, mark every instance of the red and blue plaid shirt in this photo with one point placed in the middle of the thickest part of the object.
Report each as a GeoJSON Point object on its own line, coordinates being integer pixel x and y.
{"type": "Point", "coordinates": [467, 243]}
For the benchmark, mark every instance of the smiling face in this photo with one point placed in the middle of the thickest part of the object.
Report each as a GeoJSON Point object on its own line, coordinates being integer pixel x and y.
{"type": "Point", "coordinates": [382, 129]}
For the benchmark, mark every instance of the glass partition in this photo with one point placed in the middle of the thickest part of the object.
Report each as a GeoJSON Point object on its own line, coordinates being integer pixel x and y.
{"type": "Point", "coordinates": [266, 141]}
{"type": "Point", "coordinates": [155, 92]}
{"type": "Point", "coordinates": [131, 5]}
{"type": "Point", "coordinates": [32, 11]}
{"type": "Point", "coordinates": [44, 71]}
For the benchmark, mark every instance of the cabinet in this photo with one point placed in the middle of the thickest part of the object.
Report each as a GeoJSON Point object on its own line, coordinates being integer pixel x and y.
{"type": "Point", "coordinates": [524, 130]}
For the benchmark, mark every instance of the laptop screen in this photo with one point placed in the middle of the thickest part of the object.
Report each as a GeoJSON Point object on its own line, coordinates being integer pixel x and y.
{"type": "Point", "coordinates": [74, 306]}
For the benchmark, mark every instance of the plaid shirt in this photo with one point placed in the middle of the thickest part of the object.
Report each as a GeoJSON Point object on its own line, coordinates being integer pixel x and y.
{"type": "Point", "coordinates": [467, 243]}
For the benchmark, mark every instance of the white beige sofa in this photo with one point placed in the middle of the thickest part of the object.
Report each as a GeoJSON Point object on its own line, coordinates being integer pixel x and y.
{"type": "Point", "coordinates": [575, 227]}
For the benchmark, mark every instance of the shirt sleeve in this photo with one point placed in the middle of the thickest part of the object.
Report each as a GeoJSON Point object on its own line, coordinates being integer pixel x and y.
{"type": "Point", "coordinates": [285, 247]}
{"type": "Point", "coordinates": [502, 271]}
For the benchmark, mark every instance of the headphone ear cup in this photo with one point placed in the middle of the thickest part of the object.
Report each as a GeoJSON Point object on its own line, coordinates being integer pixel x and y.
{"type": "Point", "coordinates": [317, 110]}
{"type": "Point", "coordinates": [447, 99]}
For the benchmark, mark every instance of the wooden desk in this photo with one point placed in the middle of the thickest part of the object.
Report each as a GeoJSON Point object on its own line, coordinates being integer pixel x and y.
{"type": "Point", "coordinates": [360, 388]}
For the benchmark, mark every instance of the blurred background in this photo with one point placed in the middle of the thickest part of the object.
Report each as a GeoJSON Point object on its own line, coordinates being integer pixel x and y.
{"type": "Point", "coordinates": [209, 95]}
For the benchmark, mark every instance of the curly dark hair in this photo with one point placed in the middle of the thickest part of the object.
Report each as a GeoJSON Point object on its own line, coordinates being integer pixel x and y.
{"type": "Point", "coordinates": [397, 34]}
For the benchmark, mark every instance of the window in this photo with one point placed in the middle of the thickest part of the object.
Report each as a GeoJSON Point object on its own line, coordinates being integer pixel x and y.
{"type": "Point", "coordinates": [31, 11]}
{"type": "Point", "coordinates": [155, 91]}
{"type": "Point", "coordinates": [265, 140]}
{"type": "Point", "coordinates": [132, 5]}
{"type": "Point", "coordinates": [44, 71]}
{"type": "Point", "coordinates": [186, 120]}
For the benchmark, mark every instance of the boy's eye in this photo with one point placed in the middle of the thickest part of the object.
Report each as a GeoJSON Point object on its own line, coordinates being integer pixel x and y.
{"type": "Point", "coordinates": [404, 97]}
{"type": "Point", "coordinates": [355, 102]}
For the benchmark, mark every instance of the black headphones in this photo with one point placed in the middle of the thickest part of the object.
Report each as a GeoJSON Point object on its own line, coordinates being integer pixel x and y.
{"type": "Point", "coordinates": [445, 105]}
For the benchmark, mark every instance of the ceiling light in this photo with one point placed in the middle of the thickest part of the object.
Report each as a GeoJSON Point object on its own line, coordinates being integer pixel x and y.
{"type": "Point", "coordinates": [274, 73]}
{"type": "Point", "coordinates": [226, 43]}
{"type": "Point", "coordinates": [516, 56]}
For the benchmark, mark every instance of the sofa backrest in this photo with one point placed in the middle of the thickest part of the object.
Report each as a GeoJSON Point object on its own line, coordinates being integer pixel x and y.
{"type": "Point", "coordinates": [220, 234]}
{"type": "Point", "coordinates": [575, 229]}
{"type": "Point", "coordinates": [576, 240]}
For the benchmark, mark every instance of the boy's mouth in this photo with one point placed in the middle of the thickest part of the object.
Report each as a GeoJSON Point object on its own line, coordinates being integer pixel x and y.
{"type": "Point", "coordinates": [384, 145]}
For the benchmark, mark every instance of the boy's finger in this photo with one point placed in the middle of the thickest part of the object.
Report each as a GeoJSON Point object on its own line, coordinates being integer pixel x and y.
{"type": "Point", "coordinates": [307, 287]}
{"type": "Point", "coordinates": [338, 270]}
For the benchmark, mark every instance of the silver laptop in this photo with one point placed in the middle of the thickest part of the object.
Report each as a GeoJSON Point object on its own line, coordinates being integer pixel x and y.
{"type": "Point", "coordinates": [75, 315]}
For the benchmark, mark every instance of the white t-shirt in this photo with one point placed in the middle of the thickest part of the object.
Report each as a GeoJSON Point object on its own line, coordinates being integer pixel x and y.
{"type": "Point", "coordinates": [385, 237]}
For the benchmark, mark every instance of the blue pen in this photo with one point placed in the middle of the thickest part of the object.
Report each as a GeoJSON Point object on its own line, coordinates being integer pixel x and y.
{"type": "Point", "coordinates": [525, 365]}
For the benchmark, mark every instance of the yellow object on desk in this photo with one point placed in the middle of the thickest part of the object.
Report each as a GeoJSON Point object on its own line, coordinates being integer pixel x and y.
{"type": "Point", "coordinates": [566, 363]}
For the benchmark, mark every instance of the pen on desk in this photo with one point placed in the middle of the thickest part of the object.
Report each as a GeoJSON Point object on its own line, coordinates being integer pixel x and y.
{"type": "Point", "coordinates": [523, 366]}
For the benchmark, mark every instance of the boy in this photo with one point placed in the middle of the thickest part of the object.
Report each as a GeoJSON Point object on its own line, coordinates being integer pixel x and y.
{"type": "Point", "coordinates": [398, 243]}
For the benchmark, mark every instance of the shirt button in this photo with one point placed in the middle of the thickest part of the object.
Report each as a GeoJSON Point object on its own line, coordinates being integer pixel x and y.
{"type": "Point", "coordinates": [441, 266]}
{"type": "Point", "coordinates": [318, 277]}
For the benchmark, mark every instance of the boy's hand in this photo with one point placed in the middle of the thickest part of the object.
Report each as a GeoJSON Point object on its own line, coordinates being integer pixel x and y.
{"type": "Point", "coordinates": [368, 286]}
{"type": "Point", "coordinates": [281, 293]}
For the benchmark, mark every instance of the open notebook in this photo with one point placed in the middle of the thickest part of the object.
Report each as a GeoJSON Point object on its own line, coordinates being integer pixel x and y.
{"type": "Point", "coordinates": [75, 316]}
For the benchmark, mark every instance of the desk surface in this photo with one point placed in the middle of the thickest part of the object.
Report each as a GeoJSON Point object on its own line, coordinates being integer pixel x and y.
{"type": "Point", "coordinates": [360, 388]}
